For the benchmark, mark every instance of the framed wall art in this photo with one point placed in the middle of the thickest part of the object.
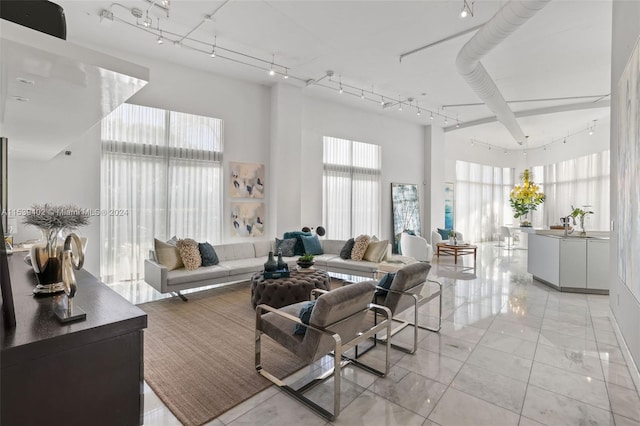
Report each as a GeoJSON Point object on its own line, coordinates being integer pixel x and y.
{"type": "Point", "coordinates": [246, 180]}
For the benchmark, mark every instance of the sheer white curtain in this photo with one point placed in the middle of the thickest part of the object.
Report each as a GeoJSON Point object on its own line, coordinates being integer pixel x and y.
{"type": "Point", "coordinates": [582, 182]}
{"type": "Point", "coordinates": [351, 188]}
{"type": "Point", "coordinates": [482, 200]}
{"type": "Point", "coordinates": [164, 171]}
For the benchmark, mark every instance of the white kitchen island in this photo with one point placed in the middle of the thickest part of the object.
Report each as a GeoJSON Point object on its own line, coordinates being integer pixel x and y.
{"type": "Point", "coordinates": [571, 263]}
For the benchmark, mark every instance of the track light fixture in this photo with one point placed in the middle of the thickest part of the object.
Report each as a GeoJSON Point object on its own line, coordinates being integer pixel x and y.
{"type": "Point", "coordinates": [431, 117]}
{"type": "Point", "coordinates": [341, 91]}
{"type": "Point", "coordinates": [466, 9]}
{"type": "Point", "coordinates": [147, 21]}
{"type": "Point", "coordinates": [213, 48]}
{"type": "Point", "coordinates": [381, 100]}
{"type": "Point", "coordinates": [286, 73]}
{"type": "Point", "coordinates": [399, 104]}
{"type": "Point", "coordinates": [160, 39]}
{"type": "Point", "coordinates": [446, 121]}
{"type": "Point", "coordinates": [361, 93]}
{"type": "Point", "coordinates": [271, 70]}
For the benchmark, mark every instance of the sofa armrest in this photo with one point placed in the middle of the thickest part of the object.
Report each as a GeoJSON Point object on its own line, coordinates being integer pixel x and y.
{"type": "Point", "coordinates": [155, 275]}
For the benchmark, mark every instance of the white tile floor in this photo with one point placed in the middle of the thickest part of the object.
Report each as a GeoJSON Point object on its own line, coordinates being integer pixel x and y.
{"type": "Point", "coordinates": [511, 352]}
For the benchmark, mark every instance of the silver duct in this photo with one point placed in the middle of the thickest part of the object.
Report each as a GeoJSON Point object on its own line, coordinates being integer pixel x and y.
{"type": "Point", "coordinates": [504, 22]}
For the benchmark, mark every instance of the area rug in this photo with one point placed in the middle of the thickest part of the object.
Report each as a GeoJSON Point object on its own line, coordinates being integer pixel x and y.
{"type": "Point", "coordinates": [199, 355]}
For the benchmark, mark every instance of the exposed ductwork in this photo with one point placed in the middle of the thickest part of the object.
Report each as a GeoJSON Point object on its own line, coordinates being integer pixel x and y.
{"type": "Point", "coordinates": [508, 19]}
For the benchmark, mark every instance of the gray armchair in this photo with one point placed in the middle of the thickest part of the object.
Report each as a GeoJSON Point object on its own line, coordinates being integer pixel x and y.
{"type": "Point", "coordinates": [406, 292]}
{"type": "Point", "coordinates": [337, 324]}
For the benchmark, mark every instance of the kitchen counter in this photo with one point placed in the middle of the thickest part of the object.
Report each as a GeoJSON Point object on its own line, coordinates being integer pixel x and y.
{"type": "Point", "coordinates": [573, 263]}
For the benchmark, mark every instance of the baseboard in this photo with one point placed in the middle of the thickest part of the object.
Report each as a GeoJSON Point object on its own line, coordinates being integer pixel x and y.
{"type": "Point", "coordinates": [633, 367]}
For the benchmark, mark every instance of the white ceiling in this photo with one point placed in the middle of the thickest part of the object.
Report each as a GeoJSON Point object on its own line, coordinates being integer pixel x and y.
{"type": "Point", "coordinates": [562, 52]}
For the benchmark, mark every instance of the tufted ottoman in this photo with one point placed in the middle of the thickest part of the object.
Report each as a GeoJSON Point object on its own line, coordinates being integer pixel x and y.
{"type": "Point", "coordinates": [279, 292]}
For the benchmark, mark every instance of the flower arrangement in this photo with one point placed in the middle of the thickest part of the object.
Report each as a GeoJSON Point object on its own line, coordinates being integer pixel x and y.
{"type": "Point", "coordinates": [526, 197]}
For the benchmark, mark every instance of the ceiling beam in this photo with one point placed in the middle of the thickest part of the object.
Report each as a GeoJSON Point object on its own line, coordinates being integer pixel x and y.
{"type": "Point", "coordinates": [537, 111]}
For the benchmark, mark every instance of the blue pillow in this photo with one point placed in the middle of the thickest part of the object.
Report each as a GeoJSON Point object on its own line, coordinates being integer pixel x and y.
{"type": "Point", "coordinates": [385, 282]}
{"type": "Point", "coordinates": [444, 233]}
{"type": "Point", "coordinates": [305, 316]}
{"type": "Point", "coordinates": [312, 245]}
{"type": "Point", "coordinates": [208, 254]}
{"type": "Point", "coordinates": [298, 249]}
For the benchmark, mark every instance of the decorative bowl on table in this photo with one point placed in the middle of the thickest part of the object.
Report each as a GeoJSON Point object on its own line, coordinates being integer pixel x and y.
{"type": "Point", "coordinates": [305, 261]}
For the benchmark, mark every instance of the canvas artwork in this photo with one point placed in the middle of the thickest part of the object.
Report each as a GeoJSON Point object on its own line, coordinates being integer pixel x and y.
{"type": "Point", "coordinates": [247, 180]}
{"type": "Point", "coordinates": [448, 205]}
{"type": "Point", "coordinates": [247, 219]}
{"type": "Point", "coordinates": [628, 174]}
{"type": "Point", "coordinates": [406, 210]}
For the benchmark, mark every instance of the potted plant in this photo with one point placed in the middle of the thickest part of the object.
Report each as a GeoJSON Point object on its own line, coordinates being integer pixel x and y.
{"type": "Point", "coordinates": [453, 239]}
{"type": "Point", "coordinates": [525, 198]}
{"type": "Point", "coordinates": [305, 261]}
{"type": "Point", "coordinates": [580, 214]}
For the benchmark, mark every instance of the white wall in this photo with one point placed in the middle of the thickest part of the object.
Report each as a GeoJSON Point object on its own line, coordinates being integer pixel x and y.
{"type": "Point", "coordinates": [625, 307]}
{"type": "Point", "coordinates": [402, 152]}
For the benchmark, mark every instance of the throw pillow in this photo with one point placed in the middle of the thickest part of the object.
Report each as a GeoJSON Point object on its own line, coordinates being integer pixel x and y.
{"type": "Point", "coordinates": [189, 253]}
{"type": "Point", "coordinates": [385, 282]}
{"type": "Point", "coordinates": [444, 233]}
{"type": "Point", "coordinates": [208, 254]}
{"type": "Point", "coordinates": [376, 250]}
{"type": "Point", "coordinates": [286, 246]}
{"type": "Point", "coordinates": [345, 253]}
{"type": "Point", "coordinates": [360, 247]}
{"type": "Point", "coordinates": [305, 316]}
{"type": "Point", "coordinates": [312, 245]}
{"type": "Point", "coordinates": [173, 240]}
{"type": "Point", "coordinates": [168, 255]}
{"type": "Point", "coordinates": [298, 249]}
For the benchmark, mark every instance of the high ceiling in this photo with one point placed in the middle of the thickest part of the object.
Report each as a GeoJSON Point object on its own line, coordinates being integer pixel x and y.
{"type": "Point", "coordinates": [563, 52]}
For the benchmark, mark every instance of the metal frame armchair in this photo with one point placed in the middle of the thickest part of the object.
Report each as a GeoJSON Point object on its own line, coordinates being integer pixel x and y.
{"type": "Point", "coordinates": [337, 324]}
{"type": "Point", "coordinates": [406, 292]}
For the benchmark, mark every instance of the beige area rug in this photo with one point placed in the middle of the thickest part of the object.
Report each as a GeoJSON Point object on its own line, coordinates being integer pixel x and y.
{"type": "Point", "coordinates": [199, 355]}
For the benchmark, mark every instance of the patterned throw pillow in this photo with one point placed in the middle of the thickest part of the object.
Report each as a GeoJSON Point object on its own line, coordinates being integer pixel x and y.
{"type": "Point", "coordinates": [360, 247]}
{"type": "Point", "coordinates": [345, 253]}
{"type": "Point", "coordinates": [312, 245]}
{"type": "Point", "coordinates": [190, 253]}
{"type": "Point", "coordinates": [298, 249]}
{"type": "Point", "coordinates": [208, 254]}
{"type": "Point", "coordinates": [167, 255]}
{"type": "Point", "coordinates": [285, 246]}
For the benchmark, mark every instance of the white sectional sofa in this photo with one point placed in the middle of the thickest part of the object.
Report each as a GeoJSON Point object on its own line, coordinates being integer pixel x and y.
{"type": "Point", "coordinates": [238, 261]}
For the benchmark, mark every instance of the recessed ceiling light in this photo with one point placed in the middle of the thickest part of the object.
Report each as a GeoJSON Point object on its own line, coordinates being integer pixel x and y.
{"type": "Point", "coordinates": [25, 81]}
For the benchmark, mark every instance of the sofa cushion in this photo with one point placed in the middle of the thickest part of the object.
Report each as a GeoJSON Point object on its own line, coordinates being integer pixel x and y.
{"type": "Point", "coordinates": [208, 254]}
{"type": "Point", "coordinates": [355, 265]}
{"type": "Point", "coordinates": [168, 255]}
{"type": "Point", "coordinates": [345, 252]}
{"type": "Point", "coordinates": [298, 249]}
{"type": "Point", "coordinates": [322, 259]}
{"type": "Point", "coordinates": [304, 315]}
{"type": "Point", "coordinates": [182, 276]}
{"type": "Point", "coordinates": [189, 253]}
{"type": "Point", "coordinates": [376, 250]}
{"type": "Point", "coordinates": [311, 245]}
{"type": "Point", "coordinates": [244, 266]}
{"type": "Point", "coordinates": [332, 246]}
{"type": "Point", "coordinates": [360, 247]}
{"type": "Point", "coordinates": [286, 246]}
{"type": "Point", "coordinates": [263, 247]}
{"type": "Point", "coordinates": [235, 251]}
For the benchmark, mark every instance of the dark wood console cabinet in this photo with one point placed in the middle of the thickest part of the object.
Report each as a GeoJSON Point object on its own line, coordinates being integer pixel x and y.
{"type": "Point", "coordinates": [89, 372]}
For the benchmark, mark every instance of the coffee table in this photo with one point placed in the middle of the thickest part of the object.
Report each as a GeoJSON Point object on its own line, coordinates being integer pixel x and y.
{"type": "Point", "coordinates": [456, 250]}
{"type": "Point", "coordinates": [279, 292]}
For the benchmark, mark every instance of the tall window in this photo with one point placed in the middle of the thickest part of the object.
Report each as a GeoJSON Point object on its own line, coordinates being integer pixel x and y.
{"type": "Point", "coordinates": [582, 181]}
{"type": "Point", "coordinates": [351, 188]}
{"type": "Point", "coordinates": [482, 200]}
{"type": "Point", "coordinates": [161, 176]}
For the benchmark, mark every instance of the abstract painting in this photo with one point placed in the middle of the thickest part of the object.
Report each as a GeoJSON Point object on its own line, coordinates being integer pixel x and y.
{"type": "Point", "coordinates": [628, 174]}
{"type": "Point", "coordinates": [406, 211]}
{"type": "Point", "coordinates": [247, 180]}
{"type": "Point", "coordinates": [247, 219]}
{"type": "Point", "coordinates": [448, 205]}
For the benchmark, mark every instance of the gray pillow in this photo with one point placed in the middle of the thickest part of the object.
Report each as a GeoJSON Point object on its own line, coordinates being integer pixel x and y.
{"type": "Point", "coordinates": [286, 246]}
{"type": "Point", "coordinates": [345, 253]}
{"type": "Point", "coordinates": [208, 254]}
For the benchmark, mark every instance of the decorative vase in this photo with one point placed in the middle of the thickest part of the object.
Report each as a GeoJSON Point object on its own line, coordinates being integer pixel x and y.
{"type": "Point", "coordinates": [305, 265]}
{"type": "Point", "coordinates": [46, 260]}
{"type": "Point", "coordinates": [452, 241]}
{"type": "Point", "coordinates": [583, 233]}
{"type": "Point", "coordinates": [524, 221]}
{"type": "Point", "coordinates": [270, 265]}
{"type": "Point", "coordinates": [282, 265]}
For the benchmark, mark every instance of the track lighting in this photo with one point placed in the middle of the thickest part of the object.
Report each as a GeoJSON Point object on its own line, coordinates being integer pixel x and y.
{"type": "Point", "coordinates": [382, 101]}
{"type": "Point", "coordinates": [418, 113]}
{"type": "Point", "coordinates": [446, 121]}
{"type": "Point", "coordinates": [341, 91]}
{"type": "Point", "coordinates": [361, 93]}
{"type": "Point", "coordinates": [466, 9]}
{"type": "Point", "coordinates": [165, 3]}
{"type": "Point", "coordinates": [160, 39]}
{"type": "Point", "coordinates": [271, 71]}
{"type": "Point", "coordinates": [505, 152]}
{"type": "Point", "coordinates": [147, 21]}
{"type": "Point", "coordinates": [213, 48]}
{"type": "Point", "coordinates": [458, 124]}
{"type": "Point", "coordinates": [431, 117]}
{"type": "Point", "coordinates": [399, 105]}
{"type": "Point", "coordinates": [286, 73]}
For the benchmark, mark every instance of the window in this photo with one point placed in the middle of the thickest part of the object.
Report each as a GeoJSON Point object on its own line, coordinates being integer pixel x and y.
{"type": "Point", "coordinates": [482, 200]}
{"type": "Point", "coordinates": [582, 182]}
{"type": "Point", "coordinates": [161, 176]}
{"type": "Point", "coordinates": [351, 188]}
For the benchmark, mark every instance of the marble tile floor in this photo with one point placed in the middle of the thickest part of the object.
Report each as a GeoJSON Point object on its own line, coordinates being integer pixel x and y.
{"type": "Point", "coordinates": [511, 351]}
